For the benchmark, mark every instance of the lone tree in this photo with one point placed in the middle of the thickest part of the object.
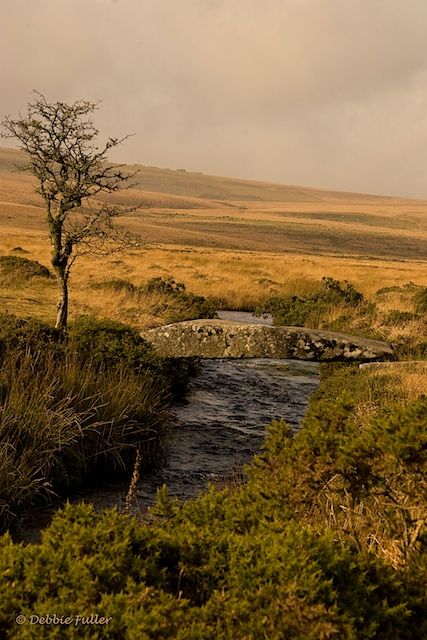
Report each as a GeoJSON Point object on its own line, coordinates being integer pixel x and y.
{"type": "Point", "coordinates": [59, 141]}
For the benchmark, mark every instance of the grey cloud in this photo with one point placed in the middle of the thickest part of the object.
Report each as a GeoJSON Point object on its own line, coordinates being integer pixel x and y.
{"type": "Point", "coordinates": [315, 92]}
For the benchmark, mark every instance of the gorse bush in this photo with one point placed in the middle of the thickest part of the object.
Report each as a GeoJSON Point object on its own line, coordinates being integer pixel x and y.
{"type": "Point", "coordinates": [100, 341]}
{"type": "Point", "coordinates": [163, 285]}
{"type": "Point", "coordinates": [110, 343]}
{"type": "Point", "coordinates": [334, 291]}
{"type": "Point", "coordinates": [273, 583]}
{"type": "Point", "coordinates": [171, 302]}
{"type": "Point", "coordinates": [29, 335]}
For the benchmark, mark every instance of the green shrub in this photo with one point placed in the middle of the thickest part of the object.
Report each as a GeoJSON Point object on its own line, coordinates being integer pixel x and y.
{"type": "Point", "coordinates": [191, 307]}
{"type": "Point", "coordinates": [334, 291]}
{"type": "Point", "coordinates": [16, 268]}
{"type": "Point", "coordinates": [362, 477]}
{"type": "Point", "coordinates": [313, 310]}
{"type": "Point", "coordinates": [177, 304]}
{"type": "Point", "coordinates": [33, 335]}
{"type": "Point", "coordinates": [110, 343]}
{"type": "Point", "coordinates": [163, 285]}
{"type": "Point", "coordinates": [197, 577]}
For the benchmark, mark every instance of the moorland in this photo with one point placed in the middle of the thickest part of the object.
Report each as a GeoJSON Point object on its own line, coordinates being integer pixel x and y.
{"type": "Point", "coordinates": [325, 537]}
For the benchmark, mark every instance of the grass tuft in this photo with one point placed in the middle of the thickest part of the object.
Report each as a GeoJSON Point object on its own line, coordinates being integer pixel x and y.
{"type": "Point", "coordinates": [16, 268]}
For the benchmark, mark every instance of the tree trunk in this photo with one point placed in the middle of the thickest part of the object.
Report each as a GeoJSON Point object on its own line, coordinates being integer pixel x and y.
{"type": "Point", "coordinates": [62, 316]}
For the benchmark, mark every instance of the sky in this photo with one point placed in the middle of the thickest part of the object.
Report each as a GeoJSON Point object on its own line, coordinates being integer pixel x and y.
{"type": "Point", "coordinates": [322, 93]}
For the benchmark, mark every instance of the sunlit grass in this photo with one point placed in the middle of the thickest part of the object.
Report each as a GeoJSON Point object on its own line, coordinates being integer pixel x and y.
{"type": "Point", "coordinates": [237, 279]}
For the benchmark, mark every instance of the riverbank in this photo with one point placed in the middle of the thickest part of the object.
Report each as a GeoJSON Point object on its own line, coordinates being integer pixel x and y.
{"type": "Point", "coordinates": [325, 540]}
{"type": "Point", "coordinates": [218, 427]}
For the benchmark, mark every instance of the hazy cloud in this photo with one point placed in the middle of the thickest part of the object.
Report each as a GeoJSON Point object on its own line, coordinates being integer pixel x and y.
{"type": "Point", "coordinates": [315, 92]}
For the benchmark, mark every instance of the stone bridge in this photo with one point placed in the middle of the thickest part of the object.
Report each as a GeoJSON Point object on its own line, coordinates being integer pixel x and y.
{"type": "Point", "coordinates": [227, 339]}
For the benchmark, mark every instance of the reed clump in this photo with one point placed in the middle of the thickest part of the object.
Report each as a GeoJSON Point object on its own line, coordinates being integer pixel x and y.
{"type": "Point", "coordinates": [75, 409]}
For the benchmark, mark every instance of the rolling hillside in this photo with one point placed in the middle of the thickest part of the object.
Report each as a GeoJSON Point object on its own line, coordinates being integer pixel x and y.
{"type": "Point", "coordinates": [186, 208]}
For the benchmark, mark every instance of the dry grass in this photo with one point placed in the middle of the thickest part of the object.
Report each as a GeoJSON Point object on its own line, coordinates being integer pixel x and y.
{"type": "Point", "coordinates": [240, 279]}
{"type": "Point", "coordinates": [406, 380]}
{"type": "Point", "coordinates": [401, 383]}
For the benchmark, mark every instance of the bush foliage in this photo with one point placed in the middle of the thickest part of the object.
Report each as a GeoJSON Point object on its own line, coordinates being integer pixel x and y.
{"type": "Point", "coordinates": [171, 302]}
{"type": "Point", "coordinates": [325, 540]}
{"type": "Point", "coordinates": [30, 335]}
{"type": "Point", "coordinates": [313, 310]}
{"type": "Point", "coordinates": [110, 343]}
{"type": "Point", "coordinates": [176, 303]}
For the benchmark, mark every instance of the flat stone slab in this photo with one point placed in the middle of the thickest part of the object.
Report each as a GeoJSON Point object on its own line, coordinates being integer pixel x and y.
{"type": "Point", "coordinates": [227, 339]}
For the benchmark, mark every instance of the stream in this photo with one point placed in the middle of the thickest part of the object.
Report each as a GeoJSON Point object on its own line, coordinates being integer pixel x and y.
{"type": "Point", "coordinates": [217, 428]}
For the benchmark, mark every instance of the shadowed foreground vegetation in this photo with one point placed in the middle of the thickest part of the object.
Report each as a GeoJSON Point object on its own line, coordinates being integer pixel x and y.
{"type": "Point", "coordinates": [78, 408]}
{"type": "Point", "coordinates": [325, 540]}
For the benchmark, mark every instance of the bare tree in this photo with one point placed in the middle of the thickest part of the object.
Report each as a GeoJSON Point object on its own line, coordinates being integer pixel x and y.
{"type": "Point", "coordinates": [59, 142]}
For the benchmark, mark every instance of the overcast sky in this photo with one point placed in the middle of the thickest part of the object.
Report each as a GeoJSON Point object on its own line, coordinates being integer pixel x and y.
{"type": "Point", "coordinates": [329, 93]}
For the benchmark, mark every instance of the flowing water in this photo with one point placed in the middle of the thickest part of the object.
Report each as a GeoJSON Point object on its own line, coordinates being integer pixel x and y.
{"type": "Point", "coordinates": [221, 424]}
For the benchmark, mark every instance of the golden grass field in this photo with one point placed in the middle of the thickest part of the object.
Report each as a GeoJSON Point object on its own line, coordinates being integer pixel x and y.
{"type": "Point", "coordinates": [236, 240]}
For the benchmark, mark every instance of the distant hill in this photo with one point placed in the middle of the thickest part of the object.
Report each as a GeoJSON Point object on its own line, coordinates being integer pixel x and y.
{"type": "Point", "coordinates": [193, 209]}
{"type": "Point", "coordinates": [213, 188]}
